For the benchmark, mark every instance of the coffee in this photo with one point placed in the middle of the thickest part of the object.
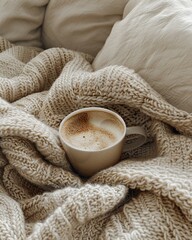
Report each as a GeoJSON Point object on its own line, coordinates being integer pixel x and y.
{"type": "Point", "coordinates": [93, 139]}
{"type": "Point", "coordinates": [92, 130]}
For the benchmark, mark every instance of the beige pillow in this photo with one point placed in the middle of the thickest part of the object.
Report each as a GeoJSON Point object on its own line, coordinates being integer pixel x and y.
{"type": "Point", "coordinates": [155, 39]}
{"type": "Point", "coordinates": [81, 25]}
{"type": "Point", "coordinates": [20, 21]}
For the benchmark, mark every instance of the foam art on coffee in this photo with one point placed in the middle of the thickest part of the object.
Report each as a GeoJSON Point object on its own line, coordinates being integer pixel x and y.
{"type": "Point", "coordinates": [92, 130]}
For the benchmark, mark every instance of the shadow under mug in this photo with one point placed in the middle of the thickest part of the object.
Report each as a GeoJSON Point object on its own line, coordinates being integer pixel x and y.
{"type": "Point", "coordinates": [89, 162]}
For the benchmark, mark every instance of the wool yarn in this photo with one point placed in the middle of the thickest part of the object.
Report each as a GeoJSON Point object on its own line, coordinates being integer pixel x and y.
{"type": "Point", "coordinates": [147, 195]}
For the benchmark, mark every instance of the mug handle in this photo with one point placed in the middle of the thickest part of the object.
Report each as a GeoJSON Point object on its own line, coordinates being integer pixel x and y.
{"type": "Point", "coordinates": [138, 139]}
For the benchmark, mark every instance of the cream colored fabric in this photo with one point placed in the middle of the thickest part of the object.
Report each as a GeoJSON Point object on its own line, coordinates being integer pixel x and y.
{"type": "Point", "coordinates": [75, 24]}
{"type": "Point", "coordinates": [81, 25]}
{"type": "Point", "coordinates": [148, 195]}
{"type": "Point", "coordinates": [155, 39]}
{"type": "Point", "coordinates": [21, 20]}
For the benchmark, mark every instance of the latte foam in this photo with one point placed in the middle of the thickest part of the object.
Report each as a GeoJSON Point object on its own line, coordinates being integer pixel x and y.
{"type": "Point", "coordinates": [92, 130]}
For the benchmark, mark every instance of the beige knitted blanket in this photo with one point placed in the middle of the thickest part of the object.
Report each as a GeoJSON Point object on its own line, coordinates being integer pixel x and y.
{"type": "Point", "coordinates": [147, 196]}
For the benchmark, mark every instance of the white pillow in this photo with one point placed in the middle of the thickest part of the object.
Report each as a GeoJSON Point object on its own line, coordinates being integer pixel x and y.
{"type": "Point", "coordinates": [81, 25]}
{"type": "Point", "coordinates": [155, 39]}
{"type": "Point", "coordinates": [20, 21]}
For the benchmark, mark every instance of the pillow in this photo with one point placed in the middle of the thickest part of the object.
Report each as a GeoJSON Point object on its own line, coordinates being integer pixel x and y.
{"type": "Point", "coordinates": [20, 21]}
{"type": "Point", "coordinates": [81, 25]}
{"type": "Point", "coordinates": [155, 39]}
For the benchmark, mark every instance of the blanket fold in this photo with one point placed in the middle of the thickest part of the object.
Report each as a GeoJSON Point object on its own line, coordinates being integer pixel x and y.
{"type": "Point", "coordinates": [147, 195]}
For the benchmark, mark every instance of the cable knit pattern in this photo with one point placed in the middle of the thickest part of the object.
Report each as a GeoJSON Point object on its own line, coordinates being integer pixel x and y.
{"type": "Point", "coordinates": [147, 195]}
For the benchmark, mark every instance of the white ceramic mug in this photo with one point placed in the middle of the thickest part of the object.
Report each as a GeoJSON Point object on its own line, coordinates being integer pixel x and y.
{"type": "Point", "coordinates": [87, 162]}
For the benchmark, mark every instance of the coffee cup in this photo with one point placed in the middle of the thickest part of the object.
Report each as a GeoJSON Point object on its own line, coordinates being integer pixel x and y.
{"type": "Point", "coordinates": [94, 139]}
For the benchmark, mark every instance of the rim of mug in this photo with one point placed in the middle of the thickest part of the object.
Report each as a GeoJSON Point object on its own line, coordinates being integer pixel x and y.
{"type": "Point", "coordinates": [86, 109]}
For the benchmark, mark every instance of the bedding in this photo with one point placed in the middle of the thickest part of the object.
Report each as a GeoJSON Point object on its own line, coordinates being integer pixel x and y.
{"type": "Point", "coordinates": [21, 20]}
{"type": "Point", "coordinates": [147, 195]}
{"type": "Point", "coordinates": [75, 24]}
{"type": "Point", "coordinates": [80, 25]}
{"type": "Point", "coordinates": [155, 39]}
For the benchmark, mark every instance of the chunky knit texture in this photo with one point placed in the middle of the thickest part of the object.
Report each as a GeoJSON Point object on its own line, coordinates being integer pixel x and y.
{"type": "Point", "coordinates": [148, 195]}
